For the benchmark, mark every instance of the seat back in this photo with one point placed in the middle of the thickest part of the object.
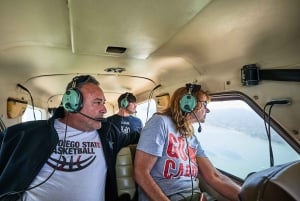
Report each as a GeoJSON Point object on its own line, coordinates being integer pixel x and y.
{"type": "Point", "coordinates": [124, 171]}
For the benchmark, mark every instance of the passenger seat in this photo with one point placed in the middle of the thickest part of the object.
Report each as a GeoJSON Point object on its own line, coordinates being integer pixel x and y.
{"type": "Point", "coordinates": [124, 172]}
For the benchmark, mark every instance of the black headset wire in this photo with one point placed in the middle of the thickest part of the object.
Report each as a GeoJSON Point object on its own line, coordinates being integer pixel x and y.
{"type": "Point", "coordinates": [39, 184]}
{"type": "Point", "coordinates": [148, 106]}
{"type": "Point", "coordinates": [149, 99]}
{"type": "Point", "coordinates": [189, 157]}
{"type": "Point", "coordinates": [190, 165]}
{"type": "Point", "coordinates": [268, 131]}
{"type": "Point", "coordinates": [31, 98]}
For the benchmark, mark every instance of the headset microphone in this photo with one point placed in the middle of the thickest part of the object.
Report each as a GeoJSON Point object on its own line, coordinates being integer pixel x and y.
{"type": "Point", "coordinates": [103, 120]}
{"type": "Point", "coordinates": [68, 107]}
{"type": "Point", "coordinates": [199, 128]}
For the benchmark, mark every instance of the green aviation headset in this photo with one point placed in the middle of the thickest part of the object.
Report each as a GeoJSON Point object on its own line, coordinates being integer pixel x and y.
{"type": "Point", "coordinates": [124, 102]}
{"type": "Point", "coordinates": [72, 100]}
{"type": "Point", "coordinates": [188, 101]}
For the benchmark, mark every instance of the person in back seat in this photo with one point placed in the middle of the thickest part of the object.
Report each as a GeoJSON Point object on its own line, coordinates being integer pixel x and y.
{"type": "Point", "coordinates": [169, 157]}
{"type": "Point", "coordinates": [124, 119]}
{"type": "Point", "coordinates": [71, 156]}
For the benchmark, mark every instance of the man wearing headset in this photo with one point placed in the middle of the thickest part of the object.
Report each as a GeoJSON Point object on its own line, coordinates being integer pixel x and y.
{"type": "Point", "coordinates": [71, 156]}
{"type": "Point", "coordinates": [124, 119]}
{"type": "Point", "coordinates": [169, 157]}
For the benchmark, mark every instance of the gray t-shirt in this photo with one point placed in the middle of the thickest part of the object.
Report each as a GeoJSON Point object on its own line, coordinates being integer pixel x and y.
{"type": "Point", "coordinates": [175, 168]}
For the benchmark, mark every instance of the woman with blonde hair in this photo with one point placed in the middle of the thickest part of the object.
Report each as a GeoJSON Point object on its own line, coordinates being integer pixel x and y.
{"type": "Point", "coordinates": [169, 157]}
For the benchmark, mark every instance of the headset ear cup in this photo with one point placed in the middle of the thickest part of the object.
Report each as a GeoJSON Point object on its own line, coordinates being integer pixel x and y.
{"type": "Point", "coordinates": [187, 103]}
{"type": "Point", "coordinates": [72, 100]}
{"type": "Point", "coordinates": [124, 103]}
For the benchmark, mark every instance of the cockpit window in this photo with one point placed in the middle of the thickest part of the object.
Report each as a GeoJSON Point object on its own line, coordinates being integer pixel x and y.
{"type": "Point", "coordinates": [33, 114]}
{"type": "Point", "coordinates": [145, 110]}
{"type": "Point", "coordinates": [234, 138]}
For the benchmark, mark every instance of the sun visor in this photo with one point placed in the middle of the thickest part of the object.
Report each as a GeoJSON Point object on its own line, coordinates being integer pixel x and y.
{"type": "Point", "coordinates": [15, 107]}
{"type": "Point", "coordinates": [162, 102]}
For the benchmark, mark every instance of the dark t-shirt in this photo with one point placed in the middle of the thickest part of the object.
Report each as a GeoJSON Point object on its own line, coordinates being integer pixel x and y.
{"type": "Point", "coordinates": [126, 124]}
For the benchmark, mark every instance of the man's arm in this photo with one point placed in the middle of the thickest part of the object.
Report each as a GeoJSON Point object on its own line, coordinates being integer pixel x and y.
{"type": "Point", "coordinates": [142, 166]}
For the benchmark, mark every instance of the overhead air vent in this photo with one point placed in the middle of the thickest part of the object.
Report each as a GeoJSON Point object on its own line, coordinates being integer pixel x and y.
{"type": "Point", "coordinates": [114, 70]}
{"type": "Point", "coordinates": [115, 50]}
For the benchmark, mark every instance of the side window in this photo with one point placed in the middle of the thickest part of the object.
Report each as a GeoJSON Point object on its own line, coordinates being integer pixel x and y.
{"type": "Point", "coordinates": [36, 114]}
{"type": "Point", "coordinates": [235, 140]}
{"type": "Point", "coordinates": [145, 110]}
